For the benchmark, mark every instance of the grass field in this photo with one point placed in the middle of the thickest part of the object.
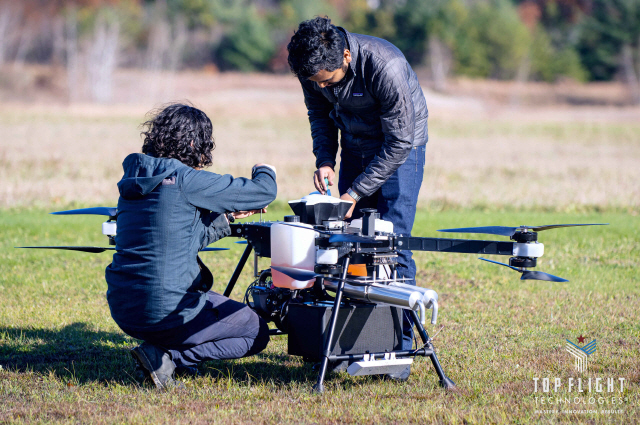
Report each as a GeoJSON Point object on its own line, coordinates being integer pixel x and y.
{"type": "Point", "coordinates": [63, 359]}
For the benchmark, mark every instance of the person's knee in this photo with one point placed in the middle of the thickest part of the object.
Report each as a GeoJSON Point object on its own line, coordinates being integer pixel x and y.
{"type": "Point", "coordinates": [261, 340]}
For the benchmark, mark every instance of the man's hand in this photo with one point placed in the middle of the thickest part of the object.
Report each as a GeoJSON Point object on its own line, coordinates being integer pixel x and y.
{"type": "Point", "coordinates": [326, 171]}
{"type": "Point", "coordinates": [245, 214]}
{"type": "Point", "coordinates": [347, 197]}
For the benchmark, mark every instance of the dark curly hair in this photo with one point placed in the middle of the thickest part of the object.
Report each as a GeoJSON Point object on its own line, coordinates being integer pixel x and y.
{"type": "Point", "coordinates": [317, 45]}
{"type": "Point", "coordinates": [179, 131]}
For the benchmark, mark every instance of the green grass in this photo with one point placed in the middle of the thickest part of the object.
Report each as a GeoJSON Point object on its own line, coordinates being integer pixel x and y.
{"type": "Point", "coordinates": [64, 360]}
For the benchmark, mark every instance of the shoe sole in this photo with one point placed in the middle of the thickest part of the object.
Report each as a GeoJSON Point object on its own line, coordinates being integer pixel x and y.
{"type": "Point", "coordinates": [142, 359]}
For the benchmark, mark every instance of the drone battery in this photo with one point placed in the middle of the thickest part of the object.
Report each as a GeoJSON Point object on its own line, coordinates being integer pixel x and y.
{"type": "Point", "coordinates": [360, 328]}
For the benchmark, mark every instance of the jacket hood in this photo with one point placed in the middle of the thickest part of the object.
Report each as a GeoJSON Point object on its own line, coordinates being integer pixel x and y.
{"type": "Point", "coordinates": [143, 173]}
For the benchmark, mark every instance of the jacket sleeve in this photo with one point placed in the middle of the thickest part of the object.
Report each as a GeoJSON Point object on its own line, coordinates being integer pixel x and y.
{"type": "Point", "coordinates": [390, 86]}
{"type": "Point", "coordinates": [223, 193]}
{"type": "Point", "coordinates": [217, 227]}
{"type": "Point", "coordinates": [323, 130]}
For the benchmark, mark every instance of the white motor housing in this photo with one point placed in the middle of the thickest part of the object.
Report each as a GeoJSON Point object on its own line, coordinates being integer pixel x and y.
{"type": "Point", "coordinates": [109, 228]}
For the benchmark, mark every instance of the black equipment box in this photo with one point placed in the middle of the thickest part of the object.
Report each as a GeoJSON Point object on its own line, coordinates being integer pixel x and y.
{"type": "Point", "coordinates": [360, 328]}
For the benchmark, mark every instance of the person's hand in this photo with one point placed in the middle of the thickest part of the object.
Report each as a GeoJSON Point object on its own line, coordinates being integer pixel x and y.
{"type": "Point", "coordinates": [263, 165]}
{"type": "Point", "coordinates": [321, 173]}
{"type": "Point", "coordinates": [245, 214]}
{"type": "Point", "coordinates": [347, 197]}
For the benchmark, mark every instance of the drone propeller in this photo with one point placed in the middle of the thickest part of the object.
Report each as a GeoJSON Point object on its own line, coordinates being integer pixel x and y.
{"type": "Point", "coordinates": [295, 273]}
{"type": "Point", "coordinates": [110, 212]}
{"type": "Point", "coordinates": [242, 242]}
{"type": "Point", "coordinates": [530, 274]}
{"type": "Point", "coordinates": [510, 231]}
{"type": "Point", "coordinates": [97, 249]}
{"type": "Point", "coordinates": [93, 249]}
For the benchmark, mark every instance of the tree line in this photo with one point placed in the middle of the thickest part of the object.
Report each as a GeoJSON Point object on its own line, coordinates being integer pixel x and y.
{"type": "Point", "coordinates": [541, 40]}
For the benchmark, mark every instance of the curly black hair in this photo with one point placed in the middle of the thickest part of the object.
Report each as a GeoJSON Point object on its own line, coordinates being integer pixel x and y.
{"type": "Point", "coordinates": [179, 131]}
{"type": "Point", "coordinates": [317, 45]}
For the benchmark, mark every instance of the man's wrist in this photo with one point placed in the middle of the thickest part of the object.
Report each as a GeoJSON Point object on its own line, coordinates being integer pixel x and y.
{"type": "Point", "coordinates": [356, 197]}
{"type": "Point", "coordinates": [327, 164]}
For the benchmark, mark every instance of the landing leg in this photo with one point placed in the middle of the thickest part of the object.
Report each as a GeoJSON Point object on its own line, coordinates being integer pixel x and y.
{"type": "Point", "coordinates": [445, 381]}
{"type": "Point", "coordinates": [238, 270]}
{"type": "Point", "coordinates": [319, 386]}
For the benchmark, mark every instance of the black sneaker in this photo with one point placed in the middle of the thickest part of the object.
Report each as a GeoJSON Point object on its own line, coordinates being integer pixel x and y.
{"type": "Point", "coordinates": [157, 365]}
{"type": "Point", "coordinates": [188, 371]}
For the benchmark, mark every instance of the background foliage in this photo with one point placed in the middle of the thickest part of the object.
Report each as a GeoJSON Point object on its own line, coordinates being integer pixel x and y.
{"type": "Point", "coordinates": [502, 39]}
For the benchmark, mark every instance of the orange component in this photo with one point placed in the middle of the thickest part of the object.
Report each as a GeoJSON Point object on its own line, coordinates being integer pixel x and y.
{"type": "Point", "coordinates": [357, 270]}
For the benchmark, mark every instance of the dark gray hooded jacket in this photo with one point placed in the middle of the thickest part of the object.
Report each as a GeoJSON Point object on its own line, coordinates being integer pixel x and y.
{"type": "Point", "coordinates": [378, 107]}
{"type": "Point", "coordinates": [167, 212]}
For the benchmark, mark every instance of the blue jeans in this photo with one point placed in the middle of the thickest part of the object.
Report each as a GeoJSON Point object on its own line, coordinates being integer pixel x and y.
{"type": "Point", "coordinates": [396, 201]}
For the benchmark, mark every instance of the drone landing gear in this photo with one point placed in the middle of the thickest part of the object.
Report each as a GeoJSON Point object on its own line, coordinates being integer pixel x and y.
{"type": "Point", "coordinates": [426, 351]}
{"type": "Point", "coordinates": [326, 352]}
{"type": "Point", "coordinates": [445, 381]}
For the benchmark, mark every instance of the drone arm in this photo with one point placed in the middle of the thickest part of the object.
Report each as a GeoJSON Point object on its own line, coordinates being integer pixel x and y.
{"type": "Point", "coordinates": [461, 246]}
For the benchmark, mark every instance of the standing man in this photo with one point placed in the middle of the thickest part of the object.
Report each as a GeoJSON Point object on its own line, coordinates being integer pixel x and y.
{"type": "Point", "coordinates": [363, 87]}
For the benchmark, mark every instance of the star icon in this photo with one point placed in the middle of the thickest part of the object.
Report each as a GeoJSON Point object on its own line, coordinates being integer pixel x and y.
{"type": "Point", "coordinates": [581, 339]}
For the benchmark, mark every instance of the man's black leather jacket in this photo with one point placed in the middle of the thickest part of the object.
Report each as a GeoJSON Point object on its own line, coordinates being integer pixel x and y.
{"type": "Point", "coordinates": [378, 107]}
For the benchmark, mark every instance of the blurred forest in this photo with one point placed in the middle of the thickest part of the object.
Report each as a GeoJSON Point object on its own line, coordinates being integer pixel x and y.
{"type": "Point", "coordinates": [519, 40]}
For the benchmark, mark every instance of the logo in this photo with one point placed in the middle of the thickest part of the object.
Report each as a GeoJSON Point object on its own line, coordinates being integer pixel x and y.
{"type": "Point", "coordinates": [358, 94]}
{"type": "Point", "coordinates": [581, 354]}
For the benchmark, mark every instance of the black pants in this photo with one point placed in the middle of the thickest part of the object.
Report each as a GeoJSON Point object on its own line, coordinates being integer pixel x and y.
{"type": "Point", "coordinates": [224, 329]}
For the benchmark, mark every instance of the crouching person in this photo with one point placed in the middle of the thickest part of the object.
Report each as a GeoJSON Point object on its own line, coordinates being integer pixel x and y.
{"type": "Point", "coordinates": [169, 209]}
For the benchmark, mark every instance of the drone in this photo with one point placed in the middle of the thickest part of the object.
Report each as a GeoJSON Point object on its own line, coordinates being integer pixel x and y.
{"type": "Point", "coordinates": [333, 285]}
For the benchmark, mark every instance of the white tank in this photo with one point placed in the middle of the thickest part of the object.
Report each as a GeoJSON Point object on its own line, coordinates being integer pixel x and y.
{"type": "Point", "coordinates": [292, 246]}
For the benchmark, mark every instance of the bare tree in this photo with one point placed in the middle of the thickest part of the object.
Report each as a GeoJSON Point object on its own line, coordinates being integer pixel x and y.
{"type": "Point", "coordinates": [440, 61]}
{"type": "Point", "coordinates": [25, 40]}
{"type": "Point", "coordinates": [165, 48]}
{"type": "Point", "coordinates": [10, 17]}
{"type": "Point", "coordinates": [101, 53]}
{"type": "Point", "coordinates": [72, 55]}
{"type": "Point", "coordinates": [630, 73]}
{"type": "Point", "coordinates": [522, 76]}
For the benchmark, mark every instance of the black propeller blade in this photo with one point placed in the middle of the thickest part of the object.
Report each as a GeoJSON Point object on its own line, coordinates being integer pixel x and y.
{"type": "Point", "coordinates": [510, 231]}
{"type": "Point", "coordinates": [530, 274]}
{"type": "Point", "coordinates": [110, 212]}
{"type": "Point", "coordinates": [536, 275]}
{"type": "Point", "coordinates": [94, 249]}
{"type": "Point", "coordinates": [297, 274]}
{"type": "Point", "coordinates": [97, 249]}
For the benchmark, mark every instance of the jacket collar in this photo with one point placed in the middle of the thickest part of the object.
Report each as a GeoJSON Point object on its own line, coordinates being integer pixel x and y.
{"type": "Point", "coordinates": [354, 48]}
